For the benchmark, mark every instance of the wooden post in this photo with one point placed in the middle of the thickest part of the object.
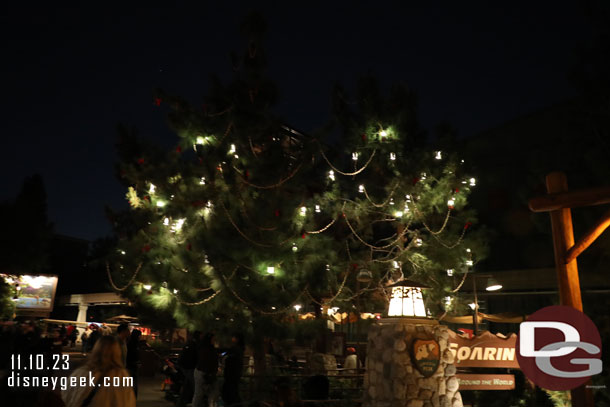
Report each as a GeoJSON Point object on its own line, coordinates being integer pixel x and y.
{"type": "Point", "coordinates": [567, 273]}
{"type": "Point", "coordinates": [563, 240]}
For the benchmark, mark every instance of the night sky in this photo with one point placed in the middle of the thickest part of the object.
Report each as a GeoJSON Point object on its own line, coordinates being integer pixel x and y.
{"type": "Point", "coordinates": [70, 75]}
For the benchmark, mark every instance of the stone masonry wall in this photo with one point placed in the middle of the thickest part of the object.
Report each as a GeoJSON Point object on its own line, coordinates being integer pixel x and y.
{"type": "Point", "coordinates": [391, 380]}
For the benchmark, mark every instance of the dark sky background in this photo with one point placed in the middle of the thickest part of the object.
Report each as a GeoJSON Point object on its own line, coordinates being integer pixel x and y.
{"type": "Point", "coordinates": [70, 75]}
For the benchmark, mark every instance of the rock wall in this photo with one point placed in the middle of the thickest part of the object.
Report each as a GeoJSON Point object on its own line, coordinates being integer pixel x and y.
{"type": "Point", "coordinates": [392, 380]}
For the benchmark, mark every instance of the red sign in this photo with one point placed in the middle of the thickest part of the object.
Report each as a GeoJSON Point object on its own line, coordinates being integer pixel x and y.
{"type": "Point", "coordinates": [485, 350]}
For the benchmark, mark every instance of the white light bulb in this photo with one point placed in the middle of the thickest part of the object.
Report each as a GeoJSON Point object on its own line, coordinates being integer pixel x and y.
{"type": "Point", "coordinates": [303, 211]}
{"type": "Point", "coordinates": [331, 175]}
{"type": "Point", "coordinates": [270, 270]}
{"type": "Point", "coordinates": [469, 262]}
{"type": "Point", "coordinates": [398, 214]}
{"type": "Point", "coordinates": [423, 176]}
{"type": "Point", "coordinates": [166, 221]}
{"type": "Point", "coordinates": [438, 155]}
{"type": "Point", "coordinates": [355, 156]}
{"type": "Point", "coordinates": [175, 291]}
{"type": "Point", "coordinates": [451, 202]}
{"type": "Point", "coordinates": [361, 188]}
{"type": "Point", "coordinates": [294, 247]}
{"type": "Point", "coordinates": [147, 287]}
{"type": "Point", "coordinates": [418, 242]}
{"type": "Point", "coordinates": [160, 203]}
{"type": "Point", "coordinates": [396, 264]}
{"type": "Point", "coordinates": [473, 182]}
{"type": "Point", "coordinates": [408, 198]}
{"type": "Point", "coordinates": [392, 156]}
{"type": "Point", "coordinates": [467, 250]}
{"type": "Point", "coordinates": [472, 305]}
{"type": "Point", "coordinates": [123, 252]}
{"type": "Point", "coordinates": [449, 272]}
{"type": "Point", "coordinates": [297, 307]}
{"type": "Point", "coordinates": [232, 149]}
{"type": "Point", "coordinates": [152, 188]}
{"type": "Point", "coordinates": [202, 181]}
{"type": "Point", "coordinates": [272, 307]}
{"type": "Point", "coordinates": [177, 226]}
{"type": "Point", "coordinates": [318, 210]}
{"type": "Point", "coordinates": [200, 140]}
{"type": "Point", "coordinates": [383, 133]}
{"type": "Point", "coordinates": [391, 201]}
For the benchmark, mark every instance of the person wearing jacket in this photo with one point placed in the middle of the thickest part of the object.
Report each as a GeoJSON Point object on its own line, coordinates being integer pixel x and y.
{"type": "Point", "coordinates": [205, 373]}
{"type": "Point", "coordinates": [234, 363]}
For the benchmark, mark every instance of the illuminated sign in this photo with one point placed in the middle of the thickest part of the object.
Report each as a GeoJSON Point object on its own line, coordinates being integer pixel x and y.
{"type": "Point", "coordinates": [32, 292]}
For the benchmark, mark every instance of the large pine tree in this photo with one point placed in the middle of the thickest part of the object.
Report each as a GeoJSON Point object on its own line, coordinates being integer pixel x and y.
{"type": "Point", "coordinates": [247, 218]}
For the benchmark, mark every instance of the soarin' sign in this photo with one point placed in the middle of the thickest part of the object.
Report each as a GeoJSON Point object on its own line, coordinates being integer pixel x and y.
{"type": "Point", "coordinates": [485, 350]}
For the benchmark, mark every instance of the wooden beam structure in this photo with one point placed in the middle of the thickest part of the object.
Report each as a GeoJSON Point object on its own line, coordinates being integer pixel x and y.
{"type": "Point", "coordinates": [559, 202]}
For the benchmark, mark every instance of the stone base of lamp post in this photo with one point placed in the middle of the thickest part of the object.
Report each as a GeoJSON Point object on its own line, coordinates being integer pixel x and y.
{"type": "Point", "coordinates": [392, 378]}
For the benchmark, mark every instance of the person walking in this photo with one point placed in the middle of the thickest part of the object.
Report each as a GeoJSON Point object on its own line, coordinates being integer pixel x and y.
{"type": "Point", "coordinates": [111, 381]}
{"type": "Point", "coordinates": [206, 373]}
{"type": "Point", "coordinates": [122, 332]}
{"type": "Point", "coordinates": [234, 363]}
{"type": "Point", "coordinates": [133, 357]}
{"type": "Point", "coordinates": [187, 361]}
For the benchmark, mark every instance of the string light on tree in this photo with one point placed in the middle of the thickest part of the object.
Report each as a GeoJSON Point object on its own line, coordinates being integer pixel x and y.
{"type": "Point", "coordinates": [232, 149]}
{"type": "Point", "coordinates": [473, 182]}
{"type": "Point", "coordinates": [418, 242]}
{"type": "Point", "coordinates": [331, 175]}
{"type": "Point", "coordinates": [202, 181]}
{"type": "Point", "coordinates": [451, 203]}
{"type": "Point", "coordinates": [177, 226]}
{"type": "Point", "coordinates": [317, 209]}
{"type": "Point", "coordinates": [438, 155]}
{"type": "Point", "coordinates": [270, 270]}
{"type": "Point", "coordinates": [297, 307]}
{"type": "Point", "coordinates": [450, 272]}
{"type": "Point", "coordinates": [361, 188]}
{"type": "Point", "coordinates": [303, 211]}
{"type": "Point", "coordinates": [393, 156]}
{"type": "Point", "coordinates": [166, 222]}
{"type": "Point", "coordinates": [355, 156]}
{"type": "Point", "coordinates": [160, 203]}
{"type": "Point", "coordinates": [152, 188]}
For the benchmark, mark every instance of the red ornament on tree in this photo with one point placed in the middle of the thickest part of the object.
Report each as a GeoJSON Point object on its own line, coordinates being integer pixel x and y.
{"type": "Point", "coordinates": [363, 137]}
{"type": "Point", "coordinates": [146, 248]}
{"type": "Point", "coordinates": [157, 101]}
{"type": "Point", "coordinates": [467, 225]}
{"type": "Point", "coordinates": [247, 174]}
{"type": "Point", "coordinates": [189, 247]}
{"type": "Point", "coordinates": [457, 190]}
{"type": "Point", "coordinates": [415, 180]}
{"type": "Point", "coordinates": [178, 149]}
{"type": "Point", "coordinates": [303, 235]}
{"type": "Point", "coordinates": [140, 161]}
{"type": "Point", "coordinates": [277, 213]}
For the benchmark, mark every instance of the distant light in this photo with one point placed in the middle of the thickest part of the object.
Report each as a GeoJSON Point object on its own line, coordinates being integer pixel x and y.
{"type": "Point", "coordinates": [270, 270]}
{"type": "Point", "coordinates": [297, 307]}
{"type": "Point", "coordinates": [472, 305]}
{"type": "Point", "coordinates": [493, 284]}
{"type": "Point", "coordinates": [473, 182]}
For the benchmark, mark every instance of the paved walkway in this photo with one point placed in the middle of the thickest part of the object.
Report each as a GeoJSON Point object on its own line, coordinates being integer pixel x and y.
{"type": "Point", "coordinates": [150, 393]}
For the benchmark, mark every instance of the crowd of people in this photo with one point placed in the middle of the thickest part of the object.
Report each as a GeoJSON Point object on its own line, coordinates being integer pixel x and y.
{"type": "Point", "coordinates": [111, 354]}
{"type": "Point", "coordinates": [199, 362]}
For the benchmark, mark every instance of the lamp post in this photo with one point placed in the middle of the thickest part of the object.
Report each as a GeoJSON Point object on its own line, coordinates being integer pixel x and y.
{"type": "Point", "coordinates": [406, 299]}
{"type": "Point", "coordinates": [492, 285]}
